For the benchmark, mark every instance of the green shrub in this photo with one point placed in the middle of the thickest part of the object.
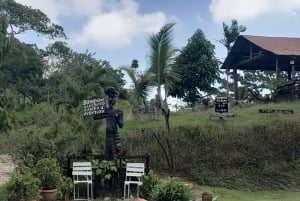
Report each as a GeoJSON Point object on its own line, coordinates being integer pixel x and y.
{"type": "Point", "coordinates": [23, 185]}
{"type": "Point", "coordinates": [150, 181]}
{"type": "Point", "coordinates": [171, 190]}
{"type": "Point", "coordinates": [3, 193]}
{"type": "Point", "coordinates": [32, 176]}
{"type": "Point", "coordinates": [105, 169]}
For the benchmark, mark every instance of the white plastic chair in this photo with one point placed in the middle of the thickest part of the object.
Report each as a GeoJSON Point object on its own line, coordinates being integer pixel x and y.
{"type": "Point", "coordinates": [134, 172]}
{"type": "Point", "coordinates": [82, 175]}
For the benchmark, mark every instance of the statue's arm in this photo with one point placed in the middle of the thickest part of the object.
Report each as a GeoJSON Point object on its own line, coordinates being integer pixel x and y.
{"type": "Point", "coordinates": [119, 117]}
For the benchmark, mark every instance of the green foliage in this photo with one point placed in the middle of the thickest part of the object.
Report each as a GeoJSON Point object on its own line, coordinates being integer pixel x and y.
{"type": "Point", "coordinates": [197, 67]}
{"type": "Point", "coordinates": [33, 175]}
{"type": "Point", "coordinates": [23, 185]}
{"type": "Point", "coordinates": [4, 40]}
{"type": "Point", "coordinates": [24, 18]}
{"type": "Point", "coordinates": [231, 33]}
{"type": "Point", "coordinates": [77, 76]}
{"type": "Point", "coordinates": [65, 187]}
{"type": "Point", "coordinates": [123, 105]}
{"type": "Point", "coordinates": [5, 121]}
{"type": "Point", "coordinates": [251, 151]}
{"type": "Point", "coordinates": [105, 169]}
{"type": "Point", "coordinates": [140, 82]}
{"type": "Point", "coordinates": [150, 181]}
{"type": "Point", "coordinates": [22, 70]}
{"type": "Point", "coordinates": [44, 130]}
{"type": "Point", "coordinates": [171, 190]}
{"type": "Point", "coordinates": [48, 171]}
{"type": "Point", "coordinates": [161, 58]}
{"type": "Point", "coordinates": [3, 192]}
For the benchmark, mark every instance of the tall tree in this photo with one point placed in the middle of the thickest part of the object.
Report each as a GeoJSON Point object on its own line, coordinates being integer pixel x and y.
{"type": "Point", "coordinates": [22, 18]}
{"type": "Point", "coordinates": [197, 67]}
{"type": "Point", "coordinates": [231, 33]}
{"type": "Point", "coordinates": [22, 69]}
{"type": "Point", "coordinates": [161, 60]}
{"type": "Point", "coordinates": [4, 40]}
{"type": "Point", "coordinates": [161, 57]}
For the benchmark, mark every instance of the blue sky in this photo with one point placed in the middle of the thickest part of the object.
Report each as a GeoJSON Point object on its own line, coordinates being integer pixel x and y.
{"type": "Point", "coordinates": [118, 30]}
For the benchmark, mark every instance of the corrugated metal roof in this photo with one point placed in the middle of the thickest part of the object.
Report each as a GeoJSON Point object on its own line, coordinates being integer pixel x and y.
{"type": "Point", "coordinates": [277, 45]}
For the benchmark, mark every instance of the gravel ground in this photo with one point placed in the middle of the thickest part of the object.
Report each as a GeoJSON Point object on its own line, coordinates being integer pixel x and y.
{"type": "Point", "coordinates": [6, 168]}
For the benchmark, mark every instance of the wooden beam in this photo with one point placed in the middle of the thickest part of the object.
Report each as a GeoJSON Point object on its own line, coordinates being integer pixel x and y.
{"type": "Point", "coordinates": [247, 61]}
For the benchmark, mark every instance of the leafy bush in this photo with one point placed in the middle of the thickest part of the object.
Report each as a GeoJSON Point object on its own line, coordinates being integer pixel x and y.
{"type": "Point", "coordinates": [47, 170]}
{"type": "Point", "coordinates": [171, 190]}
{"type": "Point", "coordinates": [150, 181]}
{"type": "Point", "coordinates": [23, 185]}
{"type": "Point", "coordinates": [32, 176]}
{"type": "Point", "coordinates": [105, 169]}
{"type": "Point", "coordinates": [46, 131]}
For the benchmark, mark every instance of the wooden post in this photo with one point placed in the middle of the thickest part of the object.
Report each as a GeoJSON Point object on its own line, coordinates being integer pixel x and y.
{"type": "Point", "coordinates": [277, 69]}
{"type": "Point", "coordinates": [293, 72]}
{"type": "Point", "coordinates": [235, 78]}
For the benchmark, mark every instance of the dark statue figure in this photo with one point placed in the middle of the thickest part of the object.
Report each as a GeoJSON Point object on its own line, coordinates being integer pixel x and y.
{"type": "Point", "coordinates": [114, 120]}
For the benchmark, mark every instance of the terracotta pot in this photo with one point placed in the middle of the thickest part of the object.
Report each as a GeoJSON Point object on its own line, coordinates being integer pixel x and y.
{"type": "Point", "coordinates": [206, 196]}
{"type": "Point", "coordinates": [48, 195]}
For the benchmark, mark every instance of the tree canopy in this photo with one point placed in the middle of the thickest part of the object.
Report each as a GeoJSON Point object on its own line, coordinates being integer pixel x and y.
{"type": "Point", "coordinates": [22, 18]}
{"type": "Point", "coordinates": [198, 69]}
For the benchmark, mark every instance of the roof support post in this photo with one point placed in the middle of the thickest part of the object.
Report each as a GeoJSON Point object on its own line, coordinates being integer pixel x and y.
{"type": "Point", "coordinates": [277, 69]}
{"type": "Point", "coordinates": [293, 71]}
{"type": "Point", "coordinates": [235, 79]}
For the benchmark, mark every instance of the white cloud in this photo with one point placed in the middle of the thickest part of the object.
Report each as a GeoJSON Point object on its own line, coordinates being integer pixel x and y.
{"type": "Point", "coordinates": [118, 26]}
{"type": "Point", "coordinates": [49, 7]}
{"type": "Point", "coordinates": [107, 23]}
{"type": "Point", "coordinates": [242, 10]}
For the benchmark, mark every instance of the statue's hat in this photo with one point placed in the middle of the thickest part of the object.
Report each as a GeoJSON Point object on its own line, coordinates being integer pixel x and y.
{"type": "Point", "coordinates": [111, 91]}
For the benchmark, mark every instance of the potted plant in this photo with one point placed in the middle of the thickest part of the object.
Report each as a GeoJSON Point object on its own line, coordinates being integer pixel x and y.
{"type": "Point", "coordinates": [48, 171]}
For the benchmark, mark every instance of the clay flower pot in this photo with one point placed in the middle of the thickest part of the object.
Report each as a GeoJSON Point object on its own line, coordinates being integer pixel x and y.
{"type": "Point", "coordinates": [48, 195]}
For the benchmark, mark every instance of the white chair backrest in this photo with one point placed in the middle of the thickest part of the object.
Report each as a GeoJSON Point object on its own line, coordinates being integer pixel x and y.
{"type": "Point", "coordinates": [82, 168]}
{"type": "Point", "coordinates": [135, 169]}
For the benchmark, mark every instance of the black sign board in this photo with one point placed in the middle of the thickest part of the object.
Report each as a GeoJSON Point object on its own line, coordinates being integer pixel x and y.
{"type": "Point", "coordinates": [221, 104]}
{"type": "Point", "coordinates": [94, 106]}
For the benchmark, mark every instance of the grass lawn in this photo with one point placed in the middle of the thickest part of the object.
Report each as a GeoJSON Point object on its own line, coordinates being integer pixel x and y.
{"type": "Point", "coordinates": [237, 195]}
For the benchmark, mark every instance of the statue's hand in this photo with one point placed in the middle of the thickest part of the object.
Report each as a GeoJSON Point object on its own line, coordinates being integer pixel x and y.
{"type": "Point", "coordinates": [118, 146]}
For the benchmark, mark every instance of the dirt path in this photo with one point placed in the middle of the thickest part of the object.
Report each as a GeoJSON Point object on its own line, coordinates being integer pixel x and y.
{"type": "Point", "coordinates": [6, 168]}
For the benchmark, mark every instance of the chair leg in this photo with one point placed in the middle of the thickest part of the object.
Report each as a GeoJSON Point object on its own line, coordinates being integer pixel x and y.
{"type": "Point", "coordinates": [92, 197]}
{"type": "Point", "coordinates": [128, 192]}
{"type": "Point", "coordinates": [124, 191]}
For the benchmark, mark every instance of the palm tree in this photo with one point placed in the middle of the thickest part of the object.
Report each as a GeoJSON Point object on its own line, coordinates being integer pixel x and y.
{"type": "Point", "coordinates": [140, 84]}
{"type": "Point", "coordinates": [231, 33]}
{"type": "Point", "coordinates": [161, 58]}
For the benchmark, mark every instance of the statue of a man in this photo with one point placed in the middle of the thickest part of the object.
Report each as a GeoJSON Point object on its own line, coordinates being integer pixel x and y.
{"type": "Point", "coordinates": [114, 120]}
